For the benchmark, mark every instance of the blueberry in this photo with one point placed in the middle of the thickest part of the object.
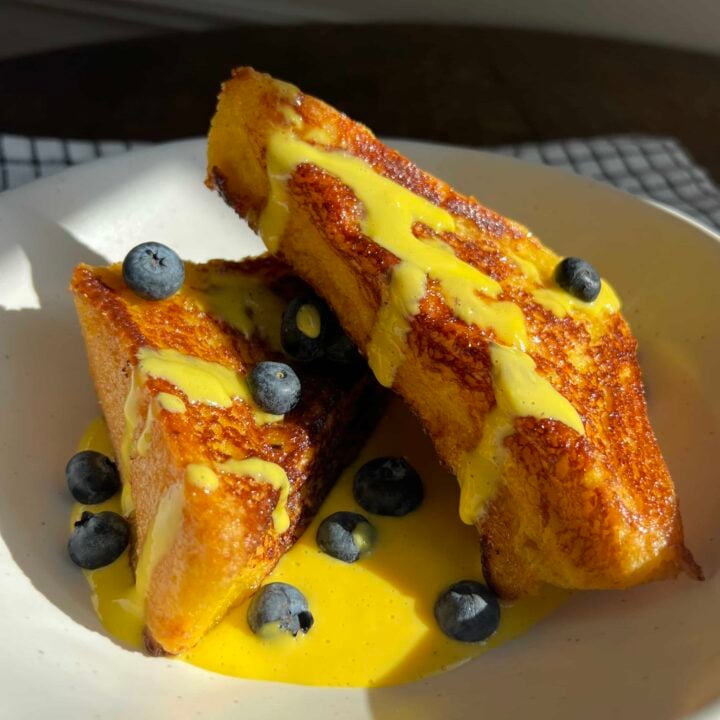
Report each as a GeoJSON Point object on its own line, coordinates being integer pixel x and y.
{"type": "Point", "coordinates": [579, 278]}
{"type": "Point", "coordinates": [275, 387]}
{"type": "Point", "coordinates": [98, 539]}
{"type": "Point", "coordinates": [92, 477]}
{"type": "Point", "coordinates": [153, 271]}
{"type": "Point", "coordinates": [345, 536]}
{"type": "Point", "coordinates": [388, 486]}
{"type": "Point", "coordinates": [303, 328]}
{"type": "Point", "coordinates": [339, 348]}
{"type": "Point", "coordinates": [468, 611]}
{"type": "Point", "coordinates": [282, 605]}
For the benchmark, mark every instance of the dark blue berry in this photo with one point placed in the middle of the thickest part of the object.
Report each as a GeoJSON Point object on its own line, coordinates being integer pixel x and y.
{"type": "Point", "coordinates": [280, 605]}
{"type": "Point", "coordinates": [153, 271]}
{"type": "Point", "coordinates": [275, 387]}
{"type": "Point", "coordinates": [297, 344]}
{"type": "Point", "coordinates": [579, 278]}
{"type": "Point", "coordinates": [339, 347]}
{"type": "Point", "coordinates": [468, 611]}
{"type": "Point", "coordinates": [345, 536]}
{"type": "Point", "coordinates": [98, 539]}
{"type": "Point", "coordinates": [388, 486]}
{"type": "Point", "coordinates": [92, 477]}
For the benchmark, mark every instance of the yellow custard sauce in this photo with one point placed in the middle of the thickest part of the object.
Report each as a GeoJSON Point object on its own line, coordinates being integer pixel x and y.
{"type": "Point", "coordinates": [200, 380]}
{"type": "Point", "coordinates": [519, 392]}
{"type": "Point", "coordinates": [270, 473]}
{"type": "Point", "coordinates": [308, 321]}
{"type": "Point", "coordinates": [242, 301]}
{"type": "Point", "coordinates": [391, 214]}
{"type": "Point", "coordinates": [374, 621]}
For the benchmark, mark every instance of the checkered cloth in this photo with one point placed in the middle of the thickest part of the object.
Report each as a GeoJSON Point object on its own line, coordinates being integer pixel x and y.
{"type": "Point", "coordinates": [23, 159]}
{"type": "Point", "coordinates": [658, 168]}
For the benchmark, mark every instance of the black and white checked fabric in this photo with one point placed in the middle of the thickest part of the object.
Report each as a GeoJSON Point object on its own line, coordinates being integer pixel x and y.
{"type": "Point", "coordinates": [658, 168]}
{"type": "Point", "coordinates": [23, 159]}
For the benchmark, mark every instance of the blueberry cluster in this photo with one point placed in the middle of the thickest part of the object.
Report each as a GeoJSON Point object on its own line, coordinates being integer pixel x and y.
{"type": "Point", "coordinates": [467, 611]}
{"type": "Point", "coordinates": [309, 332]}
{"type": "Point", "coordinates": [384, 486]}
{"type": "Point", "coordinates": [387, 486]}
{"type": "Point", "coordinates": [97, 538]}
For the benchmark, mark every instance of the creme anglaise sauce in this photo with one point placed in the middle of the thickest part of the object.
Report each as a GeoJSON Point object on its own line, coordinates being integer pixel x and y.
{"type": "Point", "coordinates": [390, 215]}
{"type": "Point", "coordinates": [374, 621]}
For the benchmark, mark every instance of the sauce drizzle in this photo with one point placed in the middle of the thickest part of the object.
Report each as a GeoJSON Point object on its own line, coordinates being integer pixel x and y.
{"type": "Point", "coordinates": [390, 215]}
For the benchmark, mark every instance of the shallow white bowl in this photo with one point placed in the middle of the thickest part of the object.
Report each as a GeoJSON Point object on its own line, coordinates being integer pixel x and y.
{"type": "Point", "coordinates": [652, 652]}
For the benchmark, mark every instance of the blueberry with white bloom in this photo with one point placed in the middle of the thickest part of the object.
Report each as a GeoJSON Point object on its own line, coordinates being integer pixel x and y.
{"type": "Point", "coordinates": [346, 536]}
{"type": "Point", "coordinates": [153, 271]}
{"type": "Point", "coordinates": [92, 477]}
{"type": "Point", "coordinates": [98, 539]}
{"type": "Point", "coordinates": [282, 606]}
{"type": "Point", "coordinates": [275, 387]}
{"type": "Point", "coordinates": [579, 278]}
{"type": "Point", "coordinates": [468, 611]}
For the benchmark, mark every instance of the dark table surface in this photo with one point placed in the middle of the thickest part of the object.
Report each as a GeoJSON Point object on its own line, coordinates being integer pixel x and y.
{"type": "Point", "coordinates": [463, 85]}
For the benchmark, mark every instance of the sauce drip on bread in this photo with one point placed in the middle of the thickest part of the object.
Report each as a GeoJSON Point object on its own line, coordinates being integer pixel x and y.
{"type": "Point", "coordinates": [412, 228]}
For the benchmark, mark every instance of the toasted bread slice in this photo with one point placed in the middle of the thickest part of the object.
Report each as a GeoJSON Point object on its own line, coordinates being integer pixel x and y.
{"type": "Point", "coordinates": [532, 397]}
{"type": "Point", "coordinates": [217, 489]}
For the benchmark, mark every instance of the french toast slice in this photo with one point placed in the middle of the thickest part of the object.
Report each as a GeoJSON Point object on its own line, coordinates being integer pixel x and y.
{"type": "Point", "coordinates": [532, 397]}
{"type": "Point", "coordinates": [216, 490]}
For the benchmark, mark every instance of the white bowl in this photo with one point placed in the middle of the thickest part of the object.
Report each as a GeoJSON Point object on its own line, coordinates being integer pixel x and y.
{"type": "Point", "coordinates": [651, 652]}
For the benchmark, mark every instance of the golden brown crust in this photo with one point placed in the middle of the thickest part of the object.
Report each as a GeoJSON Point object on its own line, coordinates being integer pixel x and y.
{"type": "Point", "coordinates": [226, 544]}
{"type": "Point", "coordinates": [597, 511]}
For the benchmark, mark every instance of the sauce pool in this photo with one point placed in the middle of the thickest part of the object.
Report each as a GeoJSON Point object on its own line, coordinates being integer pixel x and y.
{"type": "Point", "coordinates": [374, 622]}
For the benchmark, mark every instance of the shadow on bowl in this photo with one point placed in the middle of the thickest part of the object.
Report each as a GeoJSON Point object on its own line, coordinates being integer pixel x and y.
{"type": "Point", "coordinates": [47, 400]}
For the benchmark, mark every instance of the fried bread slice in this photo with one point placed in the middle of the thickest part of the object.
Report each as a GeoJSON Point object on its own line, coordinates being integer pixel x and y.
{"type": "Point", "coordinates": [217, 490]}
{"type": "Point", "coordinates": [532, 397]}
